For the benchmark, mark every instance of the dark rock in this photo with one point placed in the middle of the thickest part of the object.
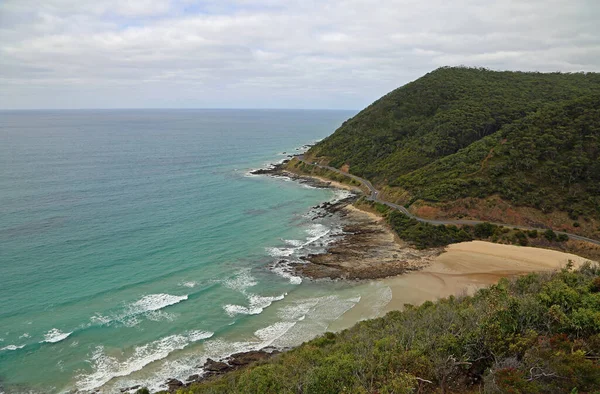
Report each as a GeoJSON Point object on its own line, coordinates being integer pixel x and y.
{"type": "Point", "coordinates": [193, 378]}
{"type": "Point", "coordinates": [174, 384]}
{"type": "Point", "coordinates": [245, 358]}
{"type": "Point", "coordinates": [216, 366]}
{"type": "Point", "coordinates": [130, 388]}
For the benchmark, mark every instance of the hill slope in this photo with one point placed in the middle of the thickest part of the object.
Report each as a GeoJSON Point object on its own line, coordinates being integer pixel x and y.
{"type": "Point", "coordinates": [534, 334]}
{"type": "Point", "coordinates": [533, 139]}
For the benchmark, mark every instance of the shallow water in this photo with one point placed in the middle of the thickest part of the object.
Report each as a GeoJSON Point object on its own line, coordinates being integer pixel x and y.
{"type": "Point", "coordinates": [134, 244]}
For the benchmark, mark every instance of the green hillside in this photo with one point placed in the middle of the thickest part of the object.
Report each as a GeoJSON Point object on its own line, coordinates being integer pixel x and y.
{"type": "Point", "coordinates": [534, 334]}
{"type": "Point", "coordinates": [531, 138]}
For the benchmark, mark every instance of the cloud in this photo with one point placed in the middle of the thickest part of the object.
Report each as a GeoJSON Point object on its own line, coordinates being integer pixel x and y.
{"type": "Point", "coordinates": [266, 53]}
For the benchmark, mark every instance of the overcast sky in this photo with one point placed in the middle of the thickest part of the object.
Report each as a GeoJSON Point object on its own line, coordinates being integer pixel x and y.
{"type": "Point", "coordinates": [272, 53]}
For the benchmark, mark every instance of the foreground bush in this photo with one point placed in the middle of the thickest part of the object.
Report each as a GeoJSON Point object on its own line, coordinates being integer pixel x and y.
{"type": "Point", "coordinates": [539, 333]}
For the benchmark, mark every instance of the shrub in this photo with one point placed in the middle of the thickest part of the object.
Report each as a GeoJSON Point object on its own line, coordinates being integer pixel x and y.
{"type": "Point", "coordinates": [550, 235]}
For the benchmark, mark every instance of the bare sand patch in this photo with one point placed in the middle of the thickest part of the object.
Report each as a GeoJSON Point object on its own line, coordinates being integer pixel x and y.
{"type": "Point", "coordinates": [468, 266]}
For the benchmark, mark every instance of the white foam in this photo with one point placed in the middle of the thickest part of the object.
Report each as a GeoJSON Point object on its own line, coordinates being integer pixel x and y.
{"type": "Point", "coordinates": [319, 236]}
{"type": "Point", "coordinates": [340, 194]}
{"type": "Point", "coordinates": [257, 305]}
{"type": "Point", "coordinates": [233, 310]}
{"type": "Point", "coordinates": [257, 301]}
{"type": "Point", "coordinates": [12, 347]}
{"type": "Point", "coordinates": [130, 321]}
{"type": "Point", "coordinates": [149, 305]}
{"type": "Point", "coordinates": [298, 310]}
{"type": "Point", "coordinates": [242, 281]}
{"type": "Point", "coordinates": [271, 333]}
{"type": "Point", "coordinates": [25, 335]}
{"type": "Point", "coordinates": [154, 302]}
{"type": "Point", "coordinates": [108, 367]}
{"type": "Point", "coordinates": [311, 317]}
{"type": "Point", "coordinates": [285, 272]}
{"type": "Point", "coordinates": [280, 252]}
{"type": "Point", "coordinates": [197, 335]}
{"type": "Point", "coordinates": [160, 315]}
{"type": "Point", "coordinates": [317, 230]}
{"type": "Point", "coordinates": [100, 319]}
{"type": "Point", "coordinates": [384, 297]}
{"type": "Point", "coordinates": [55, 335]}
{"type": "Point", "coordinates": [293, 242]}
{"type": "Point", "coordinates": [189, 284]}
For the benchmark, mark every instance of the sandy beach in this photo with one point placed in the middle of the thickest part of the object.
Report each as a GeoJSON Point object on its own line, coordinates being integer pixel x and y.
{"type": "Point", "coordinates": [468, 266]}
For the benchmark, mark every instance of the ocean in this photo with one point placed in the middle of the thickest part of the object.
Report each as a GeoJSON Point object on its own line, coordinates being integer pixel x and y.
{"type": "Point", "coordinates": [134, 244]}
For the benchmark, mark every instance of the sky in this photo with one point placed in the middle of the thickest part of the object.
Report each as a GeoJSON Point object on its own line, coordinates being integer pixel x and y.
{"type": "Point", "coordinates": [323, 54]}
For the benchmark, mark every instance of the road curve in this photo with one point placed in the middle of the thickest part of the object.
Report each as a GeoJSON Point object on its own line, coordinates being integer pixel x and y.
{"type": "Point", "coordinates": [375, 197]}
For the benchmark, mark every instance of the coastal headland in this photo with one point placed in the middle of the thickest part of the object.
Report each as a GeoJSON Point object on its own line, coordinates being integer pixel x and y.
{"type": "Point", "coordinates": [369, 249]}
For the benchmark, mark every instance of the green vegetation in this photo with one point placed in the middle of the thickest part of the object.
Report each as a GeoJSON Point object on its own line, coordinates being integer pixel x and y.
{"type": "Point", "coordinates": [425, 235]}
{"type": "Point", "coordinates": [531, 138]}
{"type": "Point", "coordinates": [535, 334]}
{"type": "Point", "coordinates": [299, 167]}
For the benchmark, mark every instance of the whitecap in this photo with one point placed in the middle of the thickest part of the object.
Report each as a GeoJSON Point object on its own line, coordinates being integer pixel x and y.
{"type": "Point", "coordinates": [285, 271]}
{"type": "Point", "coordinates": [240, 282]}
{"type": "Point", "coordinates": [189, 284]}
{"type": "Point", "coordinates": [256, 305]}
{"type": "Point", "coordinates": [25, 335]}
{"type": "Point", "coordinates": [317, 230]}
{"type": "Point", "coordinates": [100, 319]}
{"type": "Point", "coordinates": [12, 347]}
{"type": "Point", "coordinates": [55, 335]}
{"type": "Point", "coordinates": [108, 367]}
{"type": "Point", "coordinates": [149, 305]}
{"type": "Point", "coordinates": [280, 252]}
{"type": "Point", "coordinates": [160, 315]}
{"type": "Point", "coordinates": [293, 242]}
{"type": "Point", "coordinates": [154, 302]}
{"type": "Point", "coordinates": [232, 310]}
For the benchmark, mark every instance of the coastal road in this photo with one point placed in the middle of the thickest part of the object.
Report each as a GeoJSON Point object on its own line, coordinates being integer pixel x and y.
{"type": "Point", "coordinates": [375, 197]}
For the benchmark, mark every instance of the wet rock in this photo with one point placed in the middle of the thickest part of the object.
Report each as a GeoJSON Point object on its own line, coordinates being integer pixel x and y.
{"type": "Point", "coordinates": [193, 378]}
{"type": "Point", "coordinates": [174, 384]}
{"type": "Point", "coordinates": [245, 358]}
{"type": "Point", "coordinates": [130, 388]}
{"type": "Point", "coordinates": [216, 366]}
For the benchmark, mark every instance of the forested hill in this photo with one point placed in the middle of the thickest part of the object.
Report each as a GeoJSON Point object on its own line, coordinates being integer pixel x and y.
{"type": "Point", "coordinates": [531, 138]}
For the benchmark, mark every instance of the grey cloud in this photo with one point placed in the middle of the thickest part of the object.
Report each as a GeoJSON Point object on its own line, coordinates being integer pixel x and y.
{"type": "Point", "coordinates": [266, 53]}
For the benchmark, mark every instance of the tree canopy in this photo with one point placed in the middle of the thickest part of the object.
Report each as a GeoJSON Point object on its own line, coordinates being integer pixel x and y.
{"type": "Point", "coordinates": [532, 138]}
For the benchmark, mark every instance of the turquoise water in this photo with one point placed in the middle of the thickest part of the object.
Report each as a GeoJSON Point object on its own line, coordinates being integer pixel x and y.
{"type": "Point", "coordinates": [134, 244]}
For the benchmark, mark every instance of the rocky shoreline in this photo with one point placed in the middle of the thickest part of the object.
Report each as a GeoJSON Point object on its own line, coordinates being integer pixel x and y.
{"type": "Point", "coordinates": [367, 249]}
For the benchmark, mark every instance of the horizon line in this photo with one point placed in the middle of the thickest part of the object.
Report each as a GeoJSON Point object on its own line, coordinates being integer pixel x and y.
{"type": "Point", "coordinates": [178, 109]}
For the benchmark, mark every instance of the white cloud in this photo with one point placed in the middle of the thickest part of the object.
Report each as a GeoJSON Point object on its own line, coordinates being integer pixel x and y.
{"type": "Point", "coordinates": [266, 53]}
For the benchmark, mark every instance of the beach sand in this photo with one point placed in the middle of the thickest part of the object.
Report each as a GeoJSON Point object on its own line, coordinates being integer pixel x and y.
{"type": "Point", "coordinates": [468, 266]}
{"type": "Point", "coordinates": [462, 269]}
